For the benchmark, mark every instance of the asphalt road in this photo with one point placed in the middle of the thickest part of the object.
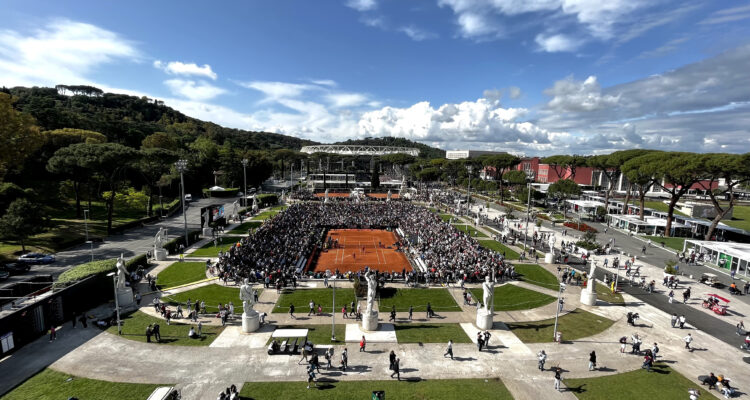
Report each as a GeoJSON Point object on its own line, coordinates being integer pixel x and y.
{"type": "Point", "coordinates": [130, 243]}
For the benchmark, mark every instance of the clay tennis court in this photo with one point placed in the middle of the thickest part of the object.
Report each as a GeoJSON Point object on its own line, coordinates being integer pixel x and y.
{"type": "Point", "coordinates": [372, 195]}
{"type": "Point", "coordinates": [349, 255]}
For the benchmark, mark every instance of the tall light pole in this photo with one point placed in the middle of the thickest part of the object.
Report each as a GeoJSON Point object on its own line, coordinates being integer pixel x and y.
{"type": "Point", "coordinates": [244, 177]}
{"type": "Point", "coordinates": [557, 313]}
{"type": "Point", "coordinates": [333, 312]}
{"type": "Point", "coordinates": [86, 222]}
{"type": "Point", "coordinates": [469, 168]}
{"type": "Point", "coordinates": [181, 166]}
{"type": "Point", "coordinates": [528, 210]}
{"type": "Point", "coordinates": [117, 301]}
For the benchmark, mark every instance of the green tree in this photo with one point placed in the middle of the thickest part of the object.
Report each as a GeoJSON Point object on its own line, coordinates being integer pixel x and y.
{"type": "Point", "coordinates": [611, 167]}
{"type": "Point", "coordinates": [562, 190]}
{"type": "Point", "coordinates": [153, 164]}
{"type": "Point", "coordinates": [517, 179]}
{"type": "Point", "coordinates": [160, 140]}
{"type": "Point", "coordinates": [59, 138]}
{"type": "Point", "coordinates": [501, 163]}
{"type": "Point", "coordinates": [641, 172]}
{"type": "Point", "coordinates": [22, 220]}
{"type": "Point", "coordinates": [676, 173]}
{"type": "Point", "coordinates": [734, 169]}
{"type": "Point", "coordinates": [72, 163]}
{"type": "Point", "coordinates": [19, 136]}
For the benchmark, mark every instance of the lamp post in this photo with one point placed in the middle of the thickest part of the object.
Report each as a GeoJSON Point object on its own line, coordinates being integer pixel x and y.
{"type": "Point", "coordinates": [333, 312]}
{"type": "Point", "coordinates": [557, 313]}
{"type": "Point", "coordinates": [245, 161]}
{"type": "Point", "coordinates": [528, 209]}
{"type": "Point", "coordinates": [117, 301]}
{"type": "Point", "coordinates": [181, 166]}
{"type": "Point", "coordinates": [86, 222]}
{"type": "Point", "coordinates": [469, 168]}
{"type": "Point", "coordinates": [91, 242]}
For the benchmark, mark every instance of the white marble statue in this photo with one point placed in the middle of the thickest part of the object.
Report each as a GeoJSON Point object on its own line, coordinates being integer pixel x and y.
{"type": "Point", "coordinates": [122, 273]}
{"type": "Point", "coordinates": [255, 204]}
{"type": "Point", "coordinates": [552, 240]}
{"type": "Point", "coordinates": [372, 287]}
{"type": "Point", "coordinates": [326, 197]}
{"type": "Point", "coordinates": [592, 281]}
{"type": "Point", "coordinates": [389, 196]}
{"type": "Point", "coordinates": [246, 295]}
{"type": "Point", "coordinates": [489, 294]}
{"type": "Point", "coordinates": [206, 215]}
{"type": "Point", "coordinates": [160, 239]}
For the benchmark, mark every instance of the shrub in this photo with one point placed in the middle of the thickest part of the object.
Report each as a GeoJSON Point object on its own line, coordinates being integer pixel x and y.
{"type": "Point", "coordinates": [669, 267]}
{"type": "Point", "coordinates": [173, 245]}
{"type": "Point", "coordinates": [587, 245]}
{"type": "Point", "coordinates": [101, 267]}
{"type": "Point", "coordinates": [267, 199]}
{"type": "Point", "coordinates": [580, 227]}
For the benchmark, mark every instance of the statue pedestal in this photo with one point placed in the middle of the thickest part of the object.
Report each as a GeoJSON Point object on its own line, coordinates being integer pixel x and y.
{"type": "Point", "coordinates": [125, 297]}
{"type": "Point", "coordinates": [588, 297]}
{"type": "Point", "coordinates": [250, 321]}
{"type": "Point", "coordinates": [484, 319]}
{"type": "Point", "coordinates": [548, 258]}
{"type": "Point", "coordinates": [160, 254]}
{"type": "Point", "coordinates": [370, 321]}
{"type": "Point", "coordinates": [207, 232]}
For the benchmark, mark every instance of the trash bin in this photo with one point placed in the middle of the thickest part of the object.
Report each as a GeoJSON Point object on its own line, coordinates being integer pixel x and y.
{"type": "Point", "coordinates": [378, 395]}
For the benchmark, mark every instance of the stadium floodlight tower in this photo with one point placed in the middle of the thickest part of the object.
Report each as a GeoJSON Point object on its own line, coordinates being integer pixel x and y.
{"type": "Point", "coordinates": [245, 161]}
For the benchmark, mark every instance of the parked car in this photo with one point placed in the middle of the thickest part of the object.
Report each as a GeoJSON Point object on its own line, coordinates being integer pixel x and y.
{"type": "Point", "coordinates": [16, 268]}
{"type": "Point", "coordinates": [165, 393]}
{"type": "Point", "coordinates": [36, 258]}
{"type": "Point", "coordinates": [188, 198]}
{"type": "Point", "coordinates": [4, 275]}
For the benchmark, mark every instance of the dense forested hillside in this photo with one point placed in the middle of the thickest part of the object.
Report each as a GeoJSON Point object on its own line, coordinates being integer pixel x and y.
{"type": "Point", "coordinates": [128, 119]}
{"type": "Point", "coordinates": [425, 151]}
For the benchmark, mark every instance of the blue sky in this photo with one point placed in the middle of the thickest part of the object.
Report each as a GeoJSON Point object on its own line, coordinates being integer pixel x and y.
{"type": "Point", "coordinates": [531, 77]}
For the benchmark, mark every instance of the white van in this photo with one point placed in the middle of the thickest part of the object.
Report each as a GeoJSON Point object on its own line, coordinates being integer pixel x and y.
{"type": "Point", "coordinates": [188, 198]}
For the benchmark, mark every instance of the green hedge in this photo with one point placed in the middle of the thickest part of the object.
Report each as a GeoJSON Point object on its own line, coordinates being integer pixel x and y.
{"type": "Point", "coordinates": [267, 199]}
{"type": "Point", "coordinates": [230, 192]}
{"type": "Point", "coordinates": [173, 245]}
{"type": "Point", "coordinates": [101, 267]}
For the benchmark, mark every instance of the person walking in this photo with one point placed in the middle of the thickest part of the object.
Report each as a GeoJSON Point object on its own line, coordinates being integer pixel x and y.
{"type": "Point", "coordinates": [344, 359]}
{"type": "Point", "coordinates": [558, 377]}
{"type": "Point", "coordinates": [480, 341]}
{"type": "Point", "coordinates": [674, 320]}
{"type": "Point", "coordinates": [542, 356]}
{"type": "Point", "coordinates": [411, 311]}
{"type": "Point", "coordinates": [291, 311]}
{"type": "Point", "coordinates": [682, 321]}
{"type": "Point", "coordinates": [592, 360]}
{"type": "Point", "coordinates": [157, 333]}
{"type": "Point", "coordinates": [655, 350]}
{"type": "Point", "coordinates": [312, 308]}
{"type": "Point", "coordinates": [83, 321]}
{"type": "Point", "coordinates": [623, 344]}
{"type": "Point", "coordinates": [688, 339]}
{"type": "Point", "coordinates": [393, 314]}
{"type": "Point", "coordinates": [391, 360]}
{"type": "Point", "coordinates": [671, 296]}
{"type": "Point", "coordinates": [362, 344]}
{"type": "Point", "coordinates": [740, 329]}
{"type": "Point", "coordinates": [396, 369]}
{"type": "Point", "coordinates": [487, 336]}
{"type": "Point", "coordinates": [311, 376]}
{"type": "Point", "coordinates": [449, 350]}
{"type": "Point", "coordinates": [148, 333]}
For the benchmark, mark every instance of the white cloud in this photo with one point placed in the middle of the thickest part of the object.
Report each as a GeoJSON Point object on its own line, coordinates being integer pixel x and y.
{"type": "Point", "coordinates": [484, 19]}
{"type": "Point", "coordinates": [180, 68]}
{"type": "Point", "coordinates": [278, 90]}
{"type": "Point", "coordinates": [417, 34]}
{"type": "Point", "coordinates": [514, 92]}
{"type": "Point", "coordinates": [571, 95]}
{"type": "Point", "coordinates": [557, 43]}
{"type": "Point", "coordinates": [362, 5]}
{"type": "Point", "coordinates": [324, 82]}
{"type": "Point", "coordinates": [198, 91]}
{"type": "Point", "coordinates": [479, 122]}
{"type": "Point", "coordinates": [61, 52]}
{"type": "Point", "coordinates": [728, 15]}
{"type": "Point", "coordinates": [339, 100]}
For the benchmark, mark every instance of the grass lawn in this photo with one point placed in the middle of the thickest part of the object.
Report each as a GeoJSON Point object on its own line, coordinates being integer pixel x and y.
{"type": "Point", "coordinates": [536, 275]}
{"type": "Point", "coordinates": [244, 227]}
{"type": "Point", "coordinates": [212, 295]}
{"type": "Point", "coordinates": [209, 250]}
{"type": "Point", "coordinates": [470, 230]}
{"type": "Point", "coordinates": [605, 294]}
{"type": "Point", "coordinates": [439, 299]}
{"type": "Point", "coordinates": [510, 298]}
{"type": "Point", "coordinates": [430, 333]}
{"type": "Point", "coordinates": [500, 248]}
{"type": "Point", "coordinates": [662, 383]}
{"type": "Point", "coordinates": [318, 334]}
{"type": "Point", "coordinates": [658, 206]}
{"type": "Point", "coordinates": [52, 385]}
{"type": "Point", "coordinates": [446, 217]}
{"type": "Point", "coordinates": [301, 299]}
{"type": "Point", "coordinates": [269, 213]}
{"type": "Point", "coordinates": [181, 273]}
{"type": "Point", "coordinates": [574, 325]}
{"type": "Point", "coordinates": [740, 218]}
{"type": "Point", "coordinates": [674, 243]}
{"type": "Point", "coordinates": [134, 328]}
{"type": "Point", "coordinates": [407, 389]}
